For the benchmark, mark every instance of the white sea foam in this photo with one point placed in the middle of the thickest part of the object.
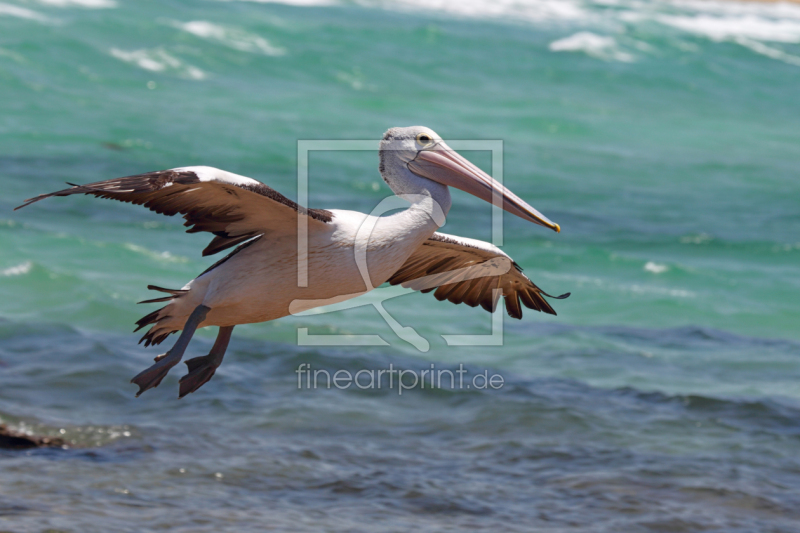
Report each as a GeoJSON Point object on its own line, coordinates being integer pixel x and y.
{"type": "Point", "coordinates": [527, 10]}
{"type": "Point", "coordinates": [231, 37]}
{"type": "Point", "coordinates": [748, 24]}
{"type": "Point", "coordinates": [19, 58]}
{"type": "Point", "coordinates": [731, 28]}
{"type": "Point", "coordinates": [599, 46]}
{"type": "Point", "coordinates": [92, 4]}
{"type": "Point", "coordinates": [782, 10]}
{"type": "Point", "coordinates": [710, 18]}
{"type": "Point", "coordinates": [302, 3]}
{"type": "Point", "coordinates": [18, 270]}
{"type": "Point", "coordinates": [158, 60]}
{"type": "Point", "coordinates": [158, 256]}
{"type": "Point", "coordinates": [655, 268]}
{"type": "Point", "coordinates": [774, 53]}
{"type": "Point", "coordinates": [23, 13]}
{"type": "Point", "coordinates": [699, 238]}
{"type": "Point", "coordinates": [530, 10]}
{"type": "Point", "coordinates": [675, 293]}
{"type": "Point", "coordinates": [607, 285]}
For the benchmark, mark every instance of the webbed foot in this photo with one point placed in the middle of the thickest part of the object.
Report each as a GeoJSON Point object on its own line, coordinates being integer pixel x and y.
{"type": "Point", "coordinates": [151, 377]}
{"type": "Point", "coordinates": [201, 369]}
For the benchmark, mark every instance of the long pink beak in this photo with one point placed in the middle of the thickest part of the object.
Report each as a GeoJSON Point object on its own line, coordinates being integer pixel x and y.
{"type": "Point", "coordinates": [445, 166]}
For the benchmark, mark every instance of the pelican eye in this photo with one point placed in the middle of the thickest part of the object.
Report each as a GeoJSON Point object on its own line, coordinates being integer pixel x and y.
{"type": "Point", "coordinates": [424, 140]}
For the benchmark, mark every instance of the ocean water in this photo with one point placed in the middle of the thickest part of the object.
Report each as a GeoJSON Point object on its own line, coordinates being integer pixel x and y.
{"type": "Point", "coordinates": [664, 138]}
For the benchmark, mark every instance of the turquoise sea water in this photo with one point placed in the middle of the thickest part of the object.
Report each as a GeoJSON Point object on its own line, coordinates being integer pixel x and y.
{"type": "Point", "coordinates": [664, 137]}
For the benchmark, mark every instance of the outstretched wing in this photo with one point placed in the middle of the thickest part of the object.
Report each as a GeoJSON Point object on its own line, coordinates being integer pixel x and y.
{"type": "Point", "coordinates": [232, 207]}
{"type": "Point", "coordinates": [469, 271]}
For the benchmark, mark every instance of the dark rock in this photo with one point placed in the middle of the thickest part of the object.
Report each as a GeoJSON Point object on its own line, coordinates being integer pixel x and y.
{"type": "Point", "coordinates": [14, 440]}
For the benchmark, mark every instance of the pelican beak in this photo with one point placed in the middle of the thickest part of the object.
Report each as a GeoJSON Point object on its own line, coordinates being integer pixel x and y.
{"type": "Point", "coordinates": [443, 165]}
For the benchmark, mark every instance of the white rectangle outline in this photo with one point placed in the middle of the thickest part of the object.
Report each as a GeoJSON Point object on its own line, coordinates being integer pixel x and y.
{"type": "Point", "coordinates": [304, 146]}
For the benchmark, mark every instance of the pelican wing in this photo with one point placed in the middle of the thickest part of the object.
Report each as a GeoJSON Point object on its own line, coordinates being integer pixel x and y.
{"type": "Point", "coordinates": [471, 272]}
{"type": "Point", "coordinates": [234, 208]}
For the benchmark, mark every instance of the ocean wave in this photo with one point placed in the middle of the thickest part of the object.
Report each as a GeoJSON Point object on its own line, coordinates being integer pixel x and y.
{"type": "Point", "coordinates": [17, 270]}
{"type": "Point", "coordinates": [530, 10]}
{"type": "Point", "coordinates": [158, 60]}
{"type": "Point", "coordinates": [765, 414]}
{"type": "Point", "coordinates": [780, 9]}
{"type": "Point", "coordinates": [706, 16]}
{"type": "Point", "coordinates": [743, 413]}
{"type": "Point", "coordinates": [747, 24]}
{"type": "Point", "coordinates": [633, 288]}
{"type": "Point", "coordinates": [526, 396]}
{"type": "Point", "coordinates": [91, 4]}
{"type": "Point", "coordinates": [731, 28]}
{"type": "Point", "coordinates": [301, 3]}
{"type": "Point", "coordinates": [165, 257]}
{"type": "Point", "coordinates": [774, 53]}
{"type": "Point", "coordinates": [23, 13]}
{"type": "Point", "coordinates": [696, 238]}
{"type": "Point", "coordinates": [598, 46]}
{"type": "Point", "coordinates": [655, 268]}
{"type": "Point", "coordinates": [231, 37]}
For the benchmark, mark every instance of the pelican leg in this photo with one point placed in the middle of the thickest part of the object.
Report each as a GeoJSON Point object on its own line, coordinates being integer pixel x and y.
{"type": "Point", "coordinates": [201, 369]}
{"type": "Point", "coordinates": [152, 376]}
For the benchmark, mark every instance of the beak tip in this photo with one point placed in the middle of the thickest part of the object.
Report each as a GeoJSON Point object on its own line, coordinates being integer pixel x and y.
{"type": "Point", "coordinates": [557, 228]}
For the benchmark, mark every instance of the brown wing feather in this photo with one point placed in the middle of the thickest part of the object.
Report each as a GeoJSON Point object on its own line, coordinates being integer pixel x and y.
{"type": "Point", "coordinates": [467, 271]}
{"type": "Point", "coordinates": [233, 208]}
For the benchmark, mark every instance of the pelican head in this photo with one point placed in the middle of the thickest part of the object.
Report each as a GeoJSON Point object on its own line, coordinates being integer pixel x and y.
{"type": "Point", "coordinates": [416, 158]}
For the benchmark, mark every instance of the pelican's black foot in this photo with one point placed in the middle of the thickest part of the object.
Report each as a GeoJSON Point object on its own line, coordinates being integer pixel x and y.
{"type": "Point", "coordinates": [152, 377]}
{"type": "Point", "coordinates": [201, 369]}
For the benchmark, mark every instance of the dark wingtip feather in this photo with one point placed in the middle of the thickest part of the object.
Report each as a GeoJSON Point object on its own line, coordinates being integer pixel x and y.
{"type": "Point", "coordinates": [148, 319]}
{"type": "Point", "coordinates": [219, 243]}
{"type": "Point", "coordinates": [529, 301]}
{"type": "Point", "coordinates": [562, 297]}
{"type": "Point", "coordinates": [533, 300]}
{"type": "Point", "coordinates": [155, 300]}
{"type": "Point", "coordinates": [234, 252]}
{"type": "Point", "coordinates": [150, 339]}
{"type": "Point", "coordinates": [28, 201]}
{"type": "Point", "coordinates": [173, 292]}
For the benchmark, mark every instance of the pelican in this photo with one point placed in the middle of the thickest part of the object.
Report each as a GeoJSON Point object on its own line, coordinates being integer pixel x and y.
{"type": "Point", "coordinates": [258, 280]}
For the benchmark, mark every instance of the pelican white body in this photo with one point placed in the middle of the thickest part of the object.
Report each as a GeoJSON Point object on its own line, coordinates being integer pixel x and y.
{"type": "Point", "coordinates": [260, 282]}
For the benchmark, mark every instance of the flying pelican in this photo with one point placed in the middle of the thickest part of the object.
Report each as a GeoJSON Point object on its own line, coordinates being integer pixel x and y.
{"type": "Point", "coordinates": [258, 280]}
